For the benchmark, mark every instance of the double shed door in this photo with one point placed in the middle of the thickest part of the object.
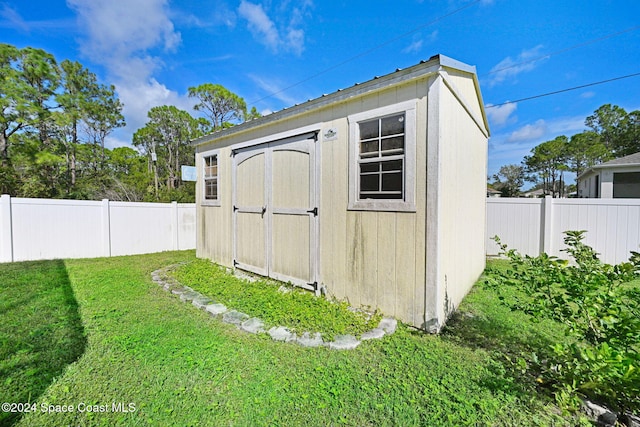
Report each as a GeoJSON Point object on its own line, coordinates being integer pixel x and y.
{"type": "Point", "coordinates": [275, 215]}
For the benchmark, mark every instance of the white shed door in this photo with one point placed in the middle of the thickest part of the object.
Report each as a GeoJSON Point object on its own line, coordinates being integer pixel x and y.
{"type": "Point", "coordinates": [275, 210]}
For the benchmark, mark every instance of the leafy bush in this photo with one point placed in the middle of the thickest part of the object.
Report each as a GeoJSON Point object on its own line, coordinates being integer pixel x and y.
{"type": "Point", "coordinates": [599, 310]}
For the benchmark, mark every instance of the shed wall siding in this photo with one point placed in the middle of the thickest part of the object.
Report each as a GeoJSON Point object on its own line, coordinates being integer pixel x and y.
{"type": "Point", "coordinates": [463, 153]}
{"type": "Point", "coordinates": [214, 238]}
{"type": "Point", "coordinates": [369, 257]}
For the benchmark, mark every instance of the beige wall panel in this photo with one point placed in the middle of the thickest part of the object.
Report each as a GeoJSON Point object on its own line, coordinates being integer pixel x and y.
{"type": "Point", "coordinates": [291, 246]}
{"type": "Point", "coordinates": [327, 211]}
{"type": "Point", "coordinates": [291, 179]}
{"type": "Point", "coordinates": [355, 257]}
{"type": "Point", "coordinates": [250, 234]}
{"type": "Point", "coordinates": [226, 228]}
{"type": "Point", "coordinates": [369, 241]}
{"type": "Point", "coordinates": [409, 90]}
{"type": "Point", "coordinates": [339, 193]}
{"type": "Point", "coordinates": [463, 200]}
{"type": "Point", "coordinates": [406, 265]}
{"type": "Point", "coordinates": [250, 181]}
{"type": "Point", "coordinates": [464, 84]}
{"type": "Point", "coordinates": [369, 102]}
{"type": "Point", "coordinates": [388, 97]}
{"type": "Point", "coordinates": [387, 251]}
{"type": "Point", "coordinates": [214, 231]}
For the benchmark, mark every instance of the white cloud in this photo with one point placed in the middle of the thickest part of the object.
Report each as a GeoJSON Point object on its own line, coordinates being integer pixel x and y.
{"type": "Point", "coordinates": [501, 115]}
{"type": "Point", "coordinates": [587, 95]}
{"type": "Point", "coordinates": [288, 37]}
{"type": "Point", "coordinates": [13, 19]}
{"type": "Point", "coordinates": [262, 27]}
{"type": "Point", "coordinates": [274, 88]}
{"type": "Point", "coordinates": [122, 29]}
{"type": "Point", "coordinates": [510, 67]}
{"type": "Point", "coordinates": [119, 34]}
{"type": "Point", "coordinates": [529, 132]}
{"type": "Point", "coordinates": [418, 41]}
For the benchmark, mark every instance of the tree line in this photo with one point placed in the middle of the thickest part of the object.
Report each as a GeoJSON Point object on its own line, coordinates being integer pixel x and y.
{"type": "Point", "coordinates": [611, 133]}
{"type": "Point", "coordinates": [55, 118]}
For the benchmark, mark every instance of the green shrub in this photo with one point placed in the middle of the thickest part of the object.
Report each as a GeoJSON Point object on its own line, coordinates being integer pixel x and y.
{"type": "Point", "coordinates": [600, 312]}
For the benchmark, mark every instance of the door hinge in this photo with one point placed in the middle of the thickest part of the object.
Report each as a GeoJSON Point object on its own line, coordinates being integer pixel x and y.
{"type": "Point", "coordinates": [235, 263]}
{"type": "Point", "coordinates": [314, 211]}
{"type": "Point", "coordinates": [235, 208]}
{"type": "Point", "coordinates": [314, 285]}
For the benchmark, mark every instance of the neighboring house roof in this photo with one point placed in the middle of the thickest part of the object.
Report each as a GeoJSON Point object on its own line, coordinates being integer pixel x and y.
{"type": "Point", "coordinates": [435, 64]}
{"type": "Point", "coordinates": [626, 161]}
{"type": "Point", "coordinates": [534, 193]}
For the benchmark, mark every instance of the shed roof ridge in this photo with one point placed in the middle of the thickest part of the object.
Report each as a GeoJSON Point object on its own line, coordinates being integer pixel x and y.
{"type": "Point", "coordinates": [423, 68]}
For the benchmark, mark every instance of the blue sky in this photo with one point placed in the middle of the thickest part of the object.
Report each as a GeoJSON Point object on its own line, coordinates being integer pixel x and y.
{"type": "Point", "coordinates": [275, 53]}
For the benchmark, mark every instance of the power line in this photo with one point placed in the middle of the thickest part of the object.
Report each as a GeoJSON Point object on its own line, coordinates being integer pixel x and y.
{"type": "Point", "coordinates": [373, 49]}
{"type": "Point", "coordinates": [563, 90]}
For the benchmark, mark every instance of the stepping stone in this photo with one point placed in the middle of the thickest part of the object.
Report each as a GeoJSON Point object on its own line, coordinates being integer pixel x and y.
{"type": "Point", "coordinates": [306, 340]}
{"type": "Point", "coordinates": [344, 342]}
{"type": "Point", "coordinates": [216, 309]}
{"type": "Point", "coordinates": [281, 333]}
{"type": "Point", "coordinates": [190, 296]}
{"type": "Point", "coordinates": [376, 333]}
{"type": "Point", "coordinates": [388, 325]}
{"type": "Point", "coordinates": [253, 325]}
{"type": "Point", "coordinates": [201, 302]}
{"type": "Point", "coordinates": [234, 317]}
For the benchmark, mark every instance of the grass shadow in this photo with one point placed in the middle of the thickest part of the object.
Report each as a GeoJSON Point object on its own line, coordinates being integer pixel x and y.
{"type": "Point", "coordinates": [41, 332]}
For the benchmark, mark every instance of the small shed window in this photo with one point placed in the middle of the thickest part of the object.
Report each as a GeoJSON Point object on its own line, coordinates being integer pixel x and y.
{"type": "Point", "coordinates": [381, 159]}
{"type": "Point", "coordinates": [210, 179]}
{"type": "Point", "coordinates": [382, 149]}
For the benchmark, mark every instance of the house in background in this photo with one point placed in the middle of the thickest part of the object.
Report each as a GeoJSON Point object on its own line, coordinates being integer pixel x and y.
{"type": "Point", "coordinates": [618, 179]}
{"type": "Point", "coordinates": [492, 192]}
{"type": "Point", "coordinates": [375, 193]}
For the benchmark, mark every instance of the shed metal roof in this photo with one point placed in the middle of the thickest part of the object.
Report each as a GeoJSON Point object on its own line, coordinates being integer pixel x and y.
{"type": "Point", "coordinates": [431, 66]}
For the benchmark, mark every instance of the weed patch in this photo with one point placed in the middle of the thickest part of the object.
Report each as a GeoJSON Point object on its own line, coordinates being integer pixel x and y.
{"type": "Point", "coordinates": [296, 309]}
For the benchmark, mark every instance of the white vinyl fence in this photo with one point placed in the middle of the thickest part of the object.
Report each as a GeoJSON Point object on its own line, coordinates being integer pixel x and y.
{"type": "Point", "coordinates": [533, 226]}
{"type": "Point", "coordinates": [32, 229]}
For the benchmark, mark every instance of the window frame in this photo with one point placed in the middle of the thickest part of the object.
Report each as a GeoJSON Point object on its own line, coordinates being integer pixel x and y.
{"type": "Point", "coordinates": [407, 203]}
{"type": "Point", "coordinates": [203, 166]}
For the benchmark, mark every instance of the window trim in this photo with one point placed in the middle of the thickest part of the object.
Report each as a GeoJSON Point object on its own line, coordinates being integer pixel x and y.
{"type": "Point", "coordinates": [391, 205]}
{"type": "Point", "coordinates": [203, 191]}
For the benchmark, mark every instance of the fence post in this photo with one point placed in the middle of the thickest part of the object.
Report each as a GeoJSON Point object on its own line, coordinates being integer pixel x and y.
{"type": "Point", "coordinates": [6, 229]}
{"type": "Point", "coordinates": [547, 225]}
{"type": "Point", "coordinates": [106, 228]}
{"type": "Point", "coordinates": [175, 226]}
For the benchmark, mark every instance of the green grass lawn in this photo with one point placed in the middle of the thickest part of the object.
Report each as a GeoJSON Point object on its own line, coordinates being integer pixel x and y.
{"type": "Point", "coordinates": [93, 333]}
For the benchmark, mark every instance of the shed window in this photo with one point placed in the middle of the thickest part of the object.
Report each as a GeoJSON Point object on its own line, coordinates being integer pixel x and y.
{"type": "Point", "coordinates": [210, 177]}
{"type": "Point", "coordinates": [383, 158]}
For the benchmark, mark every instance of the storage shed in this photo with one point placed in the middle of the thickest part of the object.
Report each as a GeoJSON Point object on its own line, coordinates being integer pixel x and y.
{"type": "Point", "coordinates": [375, 193]}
